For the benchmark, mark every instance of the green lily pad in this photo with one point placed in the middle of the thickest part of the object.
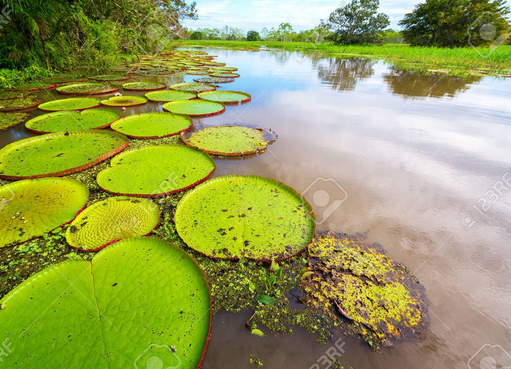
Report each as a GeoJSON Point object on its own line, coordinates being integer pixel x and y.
{"type": "Point", "coordinates": [170, 95]}
{"type": "Point", "coordinates": [9, 95]}
{"type": "Point", "coordinates": [228, 140]}
{"type": "Point", "coordinates": [223, 69]}
{"type": "Point", "coordinates": [33, 207]}
{"type": "Point", "coordinates": [379, 299]}
{"type": "Point", "coordinates": [73, 103]}
{"type": "Point", "coordinates": [156, 171]}
{"type": "Point", "coordinates": [19, 104]}
{"type": "Point", "coordinates": [143, 86]}
{"type": "Point", "coordinates": [193, 87]}
{"type": "Point", "coordinates": [112, 220]}
{"type": "Point", "coordinates": [58, 154]}
{"type": "Point", "coordinates": [251, 217]}
{"type": "Point", "coordinates": [153, 125]}
{"type": "Point", "coordinates": [124, 101]}
{"type": "Point", "coordinates": [197, 72]}
{"type": "Point", "coordinates": [225, 75]}
{"type": "Point", "coordinates": [226, 97]}
{"type": "Point", "coordinates": [214, 80]}
{"type": "Point", "coordinates": [71, 120]}
{"type": "Point", "coordinates": [110, 78]}
{"type": "Point", "coordinates": [140, 302]}
{"type": "Point", "coordinates": [86, 88]}
{"type": "Point", "coordinates": [8, 120]}
{"type": "Point", "coordinates": [195, 108]}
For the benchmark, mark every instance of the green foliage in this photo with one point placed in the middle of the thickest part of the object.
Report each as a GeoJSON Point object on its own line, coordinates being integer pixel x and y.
{"type": "Point", "coordinates": [197, 35]}
{"type": "Point", "coordinates": [455, 23]}
{"type": "Point", "coordinates": [253, 36]}
{"type": "Point", "coordinates": [359, 23]}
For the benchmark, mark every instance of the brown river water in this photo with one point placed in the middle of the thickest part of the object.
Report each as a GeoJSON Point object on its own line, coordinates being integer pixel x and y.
{"type": "Point", "coordinates": [420, 163]}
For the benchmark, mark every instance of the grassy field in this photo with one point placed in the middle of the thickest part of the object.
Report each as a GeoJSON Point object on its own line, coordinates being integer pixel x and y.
{"type": "Point", "coordinates": [459, 61]}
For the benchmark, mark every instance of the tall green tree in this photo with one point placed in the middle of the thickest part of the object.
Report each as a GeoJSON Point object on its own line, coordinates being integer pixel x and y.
{"type": "Point", "coordinates": [454, 23]}
{"type": "Point", "coordinates": [359, 23]}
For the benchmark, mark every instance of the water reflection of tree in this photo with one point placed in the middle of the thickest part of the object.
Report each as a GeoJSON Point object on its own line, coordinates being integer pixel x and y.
{"type": "Point", "coordinates": [413, 84]}
{"type": "Point", "coordinates": [344, 74]}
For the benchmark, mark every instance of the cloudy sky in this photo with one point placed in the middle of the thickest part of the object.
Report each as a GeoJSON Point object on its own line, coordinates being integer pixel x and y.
{"type": "Point", "coordinates": [302, 14]}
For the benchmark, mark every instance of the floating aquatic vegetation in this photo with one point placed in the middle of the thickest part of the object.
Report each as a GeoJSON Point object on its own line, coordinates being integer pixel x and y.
{"type": "Point", "coordinates": [73, 103]}
{"type": "Point", "coordinates": [110, 78]}
{"type": "Point", "coordinates": [112, 220]}
{"type": "Point", "coordinates": [8, 120]}
{"type": "Point", "coordinates": [193, 87]}
{"type": "Point", "coordinates": [9, 95]}
{"type": "Point", "coordinates": [197, 72]}
{"type": "Point", "coordinates": [143, 86]}
{"type": "Point", "coordinates": [34, 207]}
{"type": "Point", "coordinates": [226, 97]}
{"type": "Point", "coordinates": [152, 125]}
{"type": "Point", "coordinates": [58, 154]}
{"type": "Point", "coordinates": [19, 104]}
{"type": "Point", "coordinates": [195, 108]}
{"type": "Point", "coordinates": [229, 140]}
{"type": "Point", "coordinates": [71, 120]}
{"type": "Point", "coordinates": [373, 296]}
{"type": "Point", "coordinates": [251, 217]}
{"type": "Point", "coordinates": [170, 95]}
{"type": "Point", "coordinates": [86, 88]}
{"type": "Point", "coordinates": [35, 86]}
{"type": "Point", "coordinates": [139, 282]}
{"type": "Point", "coordinates": [214, 80]}
{"type": "Point", "coordinates": [156, 171]}
{"type": "Point", "coordinates": [225, 75]}
{"type": "Point", "coordinates": [222, 69]}
{"type": "Point", "coordinates": [124, 101]}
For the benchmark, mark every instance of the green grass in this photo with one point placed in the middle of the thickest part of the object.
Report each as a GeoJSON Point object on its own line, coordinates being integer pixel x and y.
{"type": "Point", "coordinates": [459, 61]}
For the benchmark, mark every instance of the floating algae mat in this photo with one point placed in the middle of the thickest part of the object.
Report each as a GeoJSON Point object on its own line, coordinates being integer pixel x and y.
{"type": "Point", "coordinates": [228, 141]}
{"type": "Point", "coordinates": [367, 292]}
{"type": "Point", "coordinates": [152, 125]}
{"type": "Point", "coordinates": [170, 95]}
{"type": "Point", "coordinates": [19, 104]}
{"type": "Point", "coordinates": [251, 217]}
{"type": "Point", "coordinates": [86, 88]}
{"type": "Point", "coordinates": [226, 97]}
{"type": "Point", "coordinates": [124, 101]}
{"type": "Point", "coordinates": [136, 301]}
{"type": "Point", "coordinates": [58, 154]}
{"type": "Point", "coordinates": [143, 86]}
{"type": "Point", "coordinates": [73, 103]}
{"type": "Point", "coordinates": [156, 171]}
{"type": "Point", "coordinates": [8, 120]}
{"type": "Point", "coordinates": [195, 108]}
{"type": "Point", "coordinates": [112, 220]}
{"type": "Point", "coordinates": [193, 87]}
{"type": "Point", "coordinates": [62, 121]}
{"type": "Point", "coordinates": [33, 207]}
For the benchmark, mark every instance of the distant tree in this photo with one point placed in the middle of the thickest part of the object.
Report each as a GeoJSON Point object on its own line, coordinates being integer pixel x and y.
{"type": "Point", "coordinates": [453, 23]}
{"type": "Point", "coordinates": [253, 36]}
{"type": "Point", "coordinates": [359, 23]}
{"type": "Point", "coordinates": [393, 37]}
{"type": "Point", "coordinates": [197, 35]}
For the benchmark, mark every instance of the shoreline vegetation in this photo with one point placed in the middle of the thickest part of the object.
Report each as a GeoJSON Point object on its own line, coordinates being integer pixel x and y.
{"type": "Point", "coordinates": [457, 61]}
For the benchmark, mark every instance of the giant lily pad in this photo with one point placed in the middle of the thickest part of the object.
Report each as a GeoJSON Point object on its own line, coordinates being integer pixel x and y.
{"type": "Point", "coordinates": [225, 75]}
{"type": "Point", "coordinates": [110, 78]}
{"type": "Point", "coordinates": [19, 104]}
{"type": "Point", "coordinates": [74, 103]}
{"type": "Point", "coordinates": [143, 86]}
{"type": "Point", "coordinates": [125, 101]}
{"type": "Point", "coordinates": [31, 208]}
{"type": "Point", "coordinates": [226, 97]}
{"type": "Point", "coordinates": [8, 120]}
{"type": "Point", "coordinates": [193, 87]}
{"type": "Point", "coordinates": [152, 125]}
{"type": "Point", "coordinates": [62, 121]}
{"type": "Point", "coordinates": [170, 95]}
{"type": "Point", "coordinates": [245, 217]}
{"type": "Point", "coordinates": [214, 80]}
{"type": "Point", "coordinates": [58, 154]}
{"type": "Point", "coordinates": [156, 171]}
{"type": "Point", "coordinates": [195, 108]}
{"type": "Point", "coordinates": [86, 88]}
{"type": "Point", "coordinates": [228, 141]}
{"type": "Point", "coordinates": [9, 95]}
{"type": "Point", "coordinates": [141, 303]}
{"type": "Point", "coordinates": [112, 220]}
{"type": "Point", "coordinates": [377, 298]}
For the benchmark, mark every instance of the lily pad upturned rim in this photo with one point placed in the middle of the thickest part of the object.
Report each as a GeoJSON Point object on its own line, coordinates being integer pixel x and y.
{"type": "Point", "coordinates": [97, 102]}
{"type": "Point", "coordinates": [168, 105]}
{"type": "Point", "coordinates": [162, 86]}
{"type": "Point", "coordinates": [70, 170]}
{"type": "Point", "coordinates": [111, 101]}
{"type": "Point", "coordinates": [203, 95]}
{"type": "Point", "coordinates": [225, 75]}
{"type": "Point", "coordinates": [279, 183]}
{"type": "Point", "coordinates": [134, 116]}
{"type": "Point", "coordinates": [35, 103]}
{"type": "Point", "coordinates": [151, 95]}
{"type": "Point", "coordinates": [61, 90]}
{"type": "Point", "coordinates": [29, 124]}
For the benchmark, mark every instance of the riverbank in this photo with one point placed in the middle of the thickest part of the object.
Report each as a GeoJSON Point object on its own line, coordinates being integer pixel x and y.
{"type": "Point", "coordinates": [460, 61]}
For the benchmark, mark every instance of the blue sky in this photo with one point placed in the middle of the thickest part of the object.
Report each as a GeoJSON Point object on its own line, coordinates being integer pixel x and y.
{"type": "Point", "coordinates": [302, 14]}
